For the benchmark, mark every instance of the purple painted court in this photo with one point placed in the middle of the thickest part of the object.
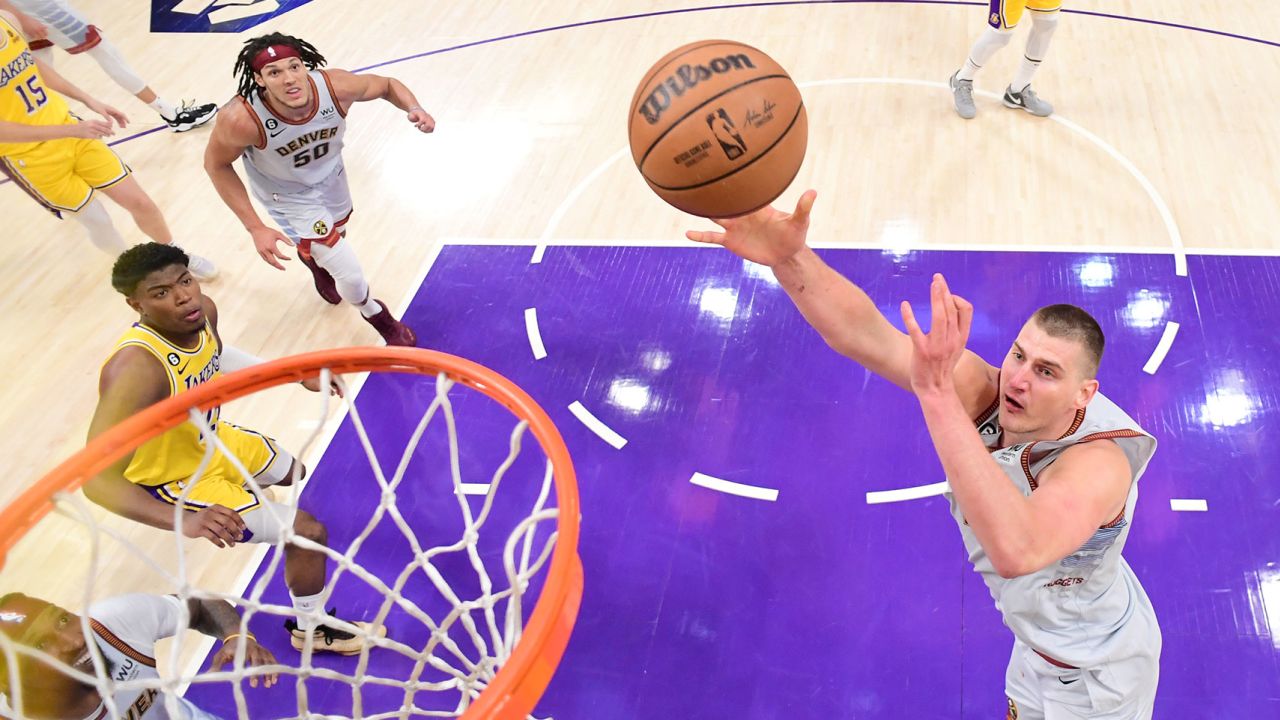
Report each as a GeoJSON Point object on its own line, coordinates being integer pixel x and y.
{"type": "Point", "coordinates": [819, 604]}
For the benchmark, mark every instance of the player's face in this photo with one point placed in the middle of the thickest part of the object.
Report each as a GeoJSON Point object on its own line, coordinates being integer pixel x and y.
{"type": "Point", "coordinates": [47, 691]}
{"type": "Point", "coordinates": [1042, 380]}
{"type": "Point", "coordinates": [169, 300]}
{"type": "Point", "coordinates": [286, 82]}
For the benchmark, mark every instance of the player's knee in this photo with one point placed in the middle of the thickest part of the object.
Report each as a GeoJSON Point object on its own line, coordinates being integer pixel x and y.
{"type": "Point", "coordinates": [999, 37]}
{"type": "Point", "coordinates": [306, 525]}
{"type": "Point", "coordinates": [297, 471]}
{"type": "Point", "coordinates": [1044, 21]}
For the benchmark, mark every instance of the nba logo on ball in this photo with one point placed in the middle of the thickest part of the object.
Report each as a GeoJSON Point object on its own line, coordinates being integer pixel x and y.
{"type": "Point", "coordinates": [717, 128]}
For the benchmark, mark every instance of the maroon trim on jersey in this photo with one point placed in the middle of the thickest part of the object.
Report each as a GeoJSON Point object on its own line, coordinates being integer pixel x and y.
{"type": "Point", "coordinates": [344, 219]}
{"type": "Point", "coordinates": [1026, 467]}
{"type": "Point", "coordinates": [91, 39]}
{"type": "Point", "coordinates": [1055, 663]}
{"type": "Point", "coordinates": [315, 106]}
{"type": "Point", "coordinates": [1075, 424]}
{"type": "Point", "coordinates": [262, 131]}
{"type": "Point", "coordinates": [1111, 435]}
{"type": "Point", "coordinates": [333, 95]}
{"type": "Point", "coordinates": [985, 415]}
{"type": "Point", "coordinates": [1114, 523]}
{"type": "Point", "coordinates": [115, 642]}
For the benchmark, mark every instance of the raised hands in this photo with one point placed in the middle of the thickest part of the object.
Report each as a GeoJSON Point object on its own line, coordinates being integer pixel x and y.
{"type": "Point", "coordinates": [766, 236]}
{"type": "Point", "coordinates": [934, 355]}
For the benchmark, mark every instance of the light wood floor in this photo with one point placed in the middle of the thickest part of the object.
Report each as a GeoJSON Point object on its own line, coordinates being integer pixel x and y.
{"type": "Point", "coordinates": [521, 122]}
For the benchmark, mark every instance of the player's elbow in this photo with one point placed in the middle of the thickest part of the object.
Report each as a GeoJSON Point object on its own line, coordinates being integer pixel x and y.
{"type": "Point", "coordinates": [1014, 561]}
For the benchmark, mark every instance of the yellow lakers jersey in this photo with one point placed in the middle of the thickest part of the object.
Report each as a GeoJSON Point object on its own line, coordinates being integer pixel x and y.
{"type": "Point", "coordinates": [178, 452]}
{"type": "Point", "coordinates": [23, 95]}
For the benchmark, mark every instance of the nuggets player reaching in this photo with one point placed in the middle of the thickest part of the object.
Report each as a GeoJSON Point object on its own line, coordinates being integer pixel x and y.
{"type": "Point", "coordinates": [1043, 471]}
{"type": "Point", "coordinates": [175, 346]}
{"type": "Point", "coordinates": [288, 124]}
{"type": "Point", "coordinates": [125, 630]}
{"type": "Point", "coordinates": [60, 160]}
{"type": "Point", "coordinates": [1003, 17]}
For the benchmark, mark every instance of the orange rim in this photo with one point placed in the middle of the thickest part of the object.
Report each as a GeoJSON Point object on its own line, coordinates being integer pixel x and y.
{"type": "Point", "coordinates": [521, 682]}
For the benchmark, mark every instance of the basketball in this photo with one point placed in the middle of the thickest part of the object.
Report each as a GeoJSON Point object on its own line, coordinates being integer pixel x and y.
{"type": "Point", "coordinates": [717, 128]}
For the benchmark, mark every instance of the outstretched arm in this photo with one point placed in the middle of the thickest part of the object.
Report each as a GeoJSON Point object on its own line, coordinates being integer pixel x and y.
{"type": "Point", "coordinates": [1084, 489]}
{"type": "Point", "coordinates": [839, 310]}
{"type": "Point", "coordinates": [352, 88]}
{"type": "Point", "coordinates": [131, 381]}
{"type": "Point", "coordinates": [218, 619]}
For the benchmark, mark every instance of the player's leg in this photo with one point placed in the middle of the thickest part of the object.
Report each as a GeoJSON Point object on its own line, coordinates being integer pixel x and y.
{"type": "Point", "coordinates": [305, 572]}
{"type": "Point", "coordinates": [1022, 686]}
{"type": "Point", "coordinates": [1044, 23]}
{"type": "Point", "coordinates": [339, 259]}
{"type": "Point", "coordinates": [1002, 17]}
{"type": "Point", "coordinates": [125, 191]}
{"type": "Point", "coordinates": [47, 176]}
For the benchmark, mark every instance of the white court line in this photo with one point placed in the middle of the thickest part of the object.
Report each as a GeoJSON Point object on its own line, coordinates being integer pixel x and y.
{"type": "Point", "coordinates": [865, 245]}
{"type": "Point", "coordinates": [594, 424]}
{"type": "Point", "coordinates": [535, 335]}
{"type": "Point", "coordinates": [912, 493]}
{"type": "Point", "coordinates": [1189, 505]}
{"type": "Point", "coordinates": [311, 460]}
{"type": "Point", "coordinates": [191, 7]}
{"type": "Point", "coordinates": [569, 200]}
{"type": "Point", "coordinates": [1162, 348]}
{"type": "Point", "coordinates": [475, 488]}
{"type": "Point", "coordinates": [734, 488]}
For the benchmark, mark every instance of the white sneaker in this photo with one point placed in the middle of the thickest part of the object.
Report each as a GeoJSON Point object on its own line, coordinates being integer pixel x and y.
{"type": "Point", "coordinates": [201, 268]}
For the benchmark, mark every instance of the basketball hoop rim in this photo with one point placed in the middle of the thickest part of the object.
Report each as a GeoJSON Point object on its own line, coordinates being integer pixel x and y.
{"type": "Point", "coordinates": [521, 681]}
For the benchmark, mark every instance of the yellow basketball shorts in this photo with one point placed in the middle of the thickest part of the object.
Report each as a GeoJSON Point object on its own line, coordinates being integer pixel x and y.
{"type": "Point", "coordinates": [1005, 14]}
{"type": "Point", "coordinates": [222, 483]}
{"type": "Point", "coordinates": [62, 174]}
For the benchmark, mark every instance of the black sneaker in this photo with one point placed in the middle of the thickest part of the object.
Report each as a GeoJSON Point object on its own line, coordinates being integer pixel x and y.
{"type": "Point", "coordinates": [332, 640]}
{"type": "Point", "coordinates": [191, 116]}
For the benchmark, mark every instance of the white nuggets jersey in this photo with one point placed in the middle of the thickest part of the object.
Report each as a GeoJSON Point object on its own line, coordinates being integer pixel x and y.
{"type": "Point", "coordinates": [1089, 608]}
{"type": "Point", "coordinates": [291, 156]}
{"type": "Point", "coordinates": [126, 629]}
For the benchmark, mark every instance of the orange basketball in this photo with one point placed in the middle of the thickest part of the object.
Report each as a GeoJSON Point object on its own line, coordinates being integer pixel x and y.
{"type": "Point", "coordinates": [717, 128]}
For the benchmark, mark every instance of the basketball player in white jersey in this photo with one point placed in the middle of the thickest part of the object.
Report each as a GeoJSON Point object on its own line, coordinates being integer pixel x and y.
{"type": "Point", "coordinates": [74, 33]}
{"type": "Point", "coordinates": [288, 124]}
{"type": "Point", "coordinates": [1043, 471]}
{"type": "Point", "coordinates": [1002, 17]}
{"type": "Point", "coordinates": [124, 630]}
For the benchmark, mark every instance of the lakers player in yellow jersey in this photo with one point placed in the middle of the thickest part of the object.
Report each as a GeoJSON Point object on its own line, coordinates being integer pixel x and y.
{"type": "Point", "coordinates": [1002, 17]}
{"type": "Point", "coordinates": [173, 347]}
{"type": "Point", "coordinates": [60, 160]}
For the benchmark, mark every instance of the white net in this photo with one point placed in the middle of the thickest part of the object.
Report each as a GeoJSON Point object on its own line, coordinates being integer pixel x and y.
{"type": "Point", "coordinates": [442, 596]}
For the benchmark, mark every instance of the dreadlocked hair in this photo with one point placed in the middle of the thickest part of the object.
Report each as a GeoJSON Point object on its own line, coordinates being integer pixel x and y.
{"type": "Point", "coordinates": [244, 61]}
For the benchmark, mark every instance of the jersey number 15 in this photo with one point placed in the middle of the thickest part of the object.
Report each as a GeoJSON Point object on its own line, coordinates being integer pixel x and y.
{"type": "Point", "coordinates": [37, 94]}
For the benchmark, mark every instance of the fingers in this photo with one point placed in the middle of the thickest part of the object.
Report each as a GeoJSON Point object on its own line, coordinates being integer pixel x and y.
{"type": "Point", "coordinates": [269, 257]}
{"type": "Point", "coordinates": [964, 311]}
{"type": "Point", "coordinates": [909, 319]}
{"type": "Point", "coordinates": [224, 524]}
{"type": "Point", "coordinates": [220, 659]}
{"type": "Point", "coordinates": [705, 236]}
{"type": "Point", "coordinates": [281, 237]}
{"type": "Point", "coordinates": [804, 206]}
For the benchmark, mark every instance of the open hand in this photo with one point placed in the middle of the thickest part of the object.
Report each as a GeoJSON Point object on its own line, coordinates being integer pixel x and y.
{"type": "Point", "coordinates": [934, 354]}
{"type": "Point", "coordinates": [767, 236]}
{"type": "Point", "coordinates": [266, 240]}
{"type": "Point", "coordinates": [254, 655]}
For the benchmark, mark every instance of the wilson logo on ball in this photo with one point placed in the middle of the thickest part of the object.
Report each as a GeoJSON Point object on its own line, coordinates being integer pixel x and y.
{"type": "Point", "coordinates": [685, 78]}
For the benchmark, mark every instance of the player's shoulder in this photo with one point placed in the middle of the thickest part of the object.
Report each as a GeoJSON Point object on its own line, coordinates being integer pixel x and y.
{"type": "Point", "coordinates": [138, 619]}
{"type": "Point", "coordinates": [238, 119]}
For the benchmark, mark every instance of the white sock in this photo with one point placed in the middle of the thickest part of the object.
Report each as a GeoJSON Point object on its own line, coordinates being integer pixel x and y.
{"type": "Point", "coordinates": [164, 107]}
{"type": "Point", "coordinates": [988, 44]}
{"type": "Point", "coordinates": [369, 308]}
{"type": "Point", "coordinates": [305, 604]}
{"type": "Point", "coordinates": [102, 232]}
{"type": "Point", "coordinates": [114, 65]}
{"type": "Point", "coordinates": [1043, 25]}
